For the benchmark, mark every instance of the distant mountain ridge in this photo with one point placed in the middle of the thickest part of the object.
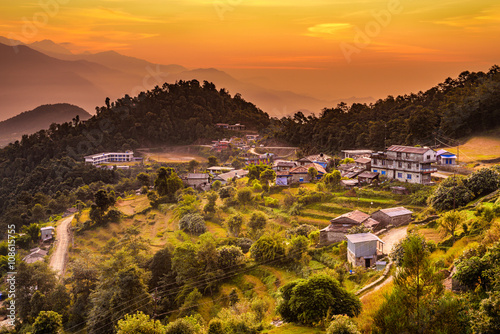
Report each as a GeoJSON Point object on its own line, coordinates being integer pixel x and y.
{"type": "Point", "coordinates": [37, 119]}
{"type": "Point", "coordinates": [86, 79]}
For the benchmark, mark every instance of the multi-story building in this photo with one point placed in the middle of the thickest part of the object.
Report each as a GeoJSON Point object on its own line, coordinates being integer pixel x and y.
{"type": "Point", "coordinates": [103, 158]}
{"type": "Point", "coordinates": [405, 163]}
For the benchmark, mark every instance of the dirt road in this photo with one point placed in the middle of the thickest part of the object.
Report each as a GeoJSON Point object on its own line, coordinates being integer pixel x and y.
{"type": "Point", "coordinates": [58, 259]}
{"type": "Point", "coordinates": [391, 238]}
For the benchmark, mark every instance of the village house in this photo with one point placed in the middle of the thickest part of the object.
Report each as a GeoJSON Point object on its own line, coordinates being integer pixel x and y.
{"type": "Point", "coordinates": [301, 173]}
{"type": "Point", "coordinates": [234, 127]}
{"type": "Point", "coordinates": [393, 216]}
{"type": "Point", "coordinates": [214, 170]}
{"type": "Point", "coordinates": [355, 154]}
{"type": "Point", "coordinates": [349, 184]}
{"type": "Point", "coordinates": [363, 249]}
{"type": "Point", "coordinates": [444, 157]}
{"type": "Point", "coordinates": [197, 180]}
{"type": "Point", "coordinates": [405, 163]}
{"type": "Point", "coordinates": [350, 170]}
{"type": "Point", "coordinates": [35, 255]}
{"type": "Point", "coordinates": [320, 159]}
{"type": "Point", "coordinates": [364, 163]}
{"type": "Point", "coordinates": [252, 137]}
{"type": "Point", "coordinates": [367, 177]}
{"type": "Point", "coordinates": [283, 165]}
{"type": "Point", "coordinates": [47, 233]}
{"type": "Point", "coordinates": [340, 226]}
{"type": "Point", "coordinates": [265, 159]}
{"type": "Point", "coordinates": [109, 157]}
{"type": "Point", "coordinates": [303, 161]}
{"type": "Point", "coordinates": [225, 177]}
{"type": "Point", "coordinates": [220, 145]}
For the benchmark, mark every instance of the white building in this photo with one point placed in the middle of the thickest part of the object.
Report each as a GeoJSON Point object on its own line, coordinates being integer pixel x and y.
{"type": "Point", "coordinates": [405, 163]}
{"type": "Point", "coordinates": [47, 233]}
{"type": "Point", "coordinates": [102, 158]}
{"type": "Point", "coordinates": [363, 249]}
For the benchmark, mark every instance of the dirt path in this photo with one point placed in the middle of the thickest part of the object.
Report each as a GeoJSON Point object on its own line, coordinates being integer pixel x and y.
{"type": "Point", "coordinates": [391, 238]}
{"type": "Point", "coordinates": [58, 259]}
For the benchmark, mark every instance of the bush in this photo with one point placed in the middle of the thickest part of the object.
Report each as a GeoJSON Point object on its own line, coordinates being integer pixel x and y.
{"type": "Point", "coordinates": [258, 221]}
{"type": "Point", "coordinates": [271, 202]}
{"type": "Point", "coordinates": [234, 224]}
{"type": "Point", "coordinates": [180, 326]}
{"type": "Point", "coordinates": [302, 230]}
{"type": "Point", "coordinates": [300, 300]}
{"type": "Point", "coordinates": [483, 181]}
{"type": "Point", "coordinates": [244, 195]}
{"type": "Point", "coordinates": [229, 257]}
{"type": "Point", "coordinates": [268, 248]}
{"type": "Point", "coordinates": [226, 192]}
{"type": "Point", "coordinates": [342, 324]}
{"type": "Point", "coordinates": [451, 192]}
{"type": "Point", "coordinates": [193, 224]}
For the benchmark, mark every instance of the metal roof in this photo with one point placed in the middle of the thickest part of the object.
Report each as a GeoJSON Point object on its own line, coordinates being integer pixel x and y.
{"type": "Point", "coordinates": [363, 160]}
{"type": "Point", "coordinates": [408, 149]}
{"type": "Point", "coordinates": [198, 176]}
{"type": "Point", "coordinates": [363, 237]}
{"type": "Point", "coordinates": [356, 215]}
{"type": "Point", "coordinates": [398, 211]}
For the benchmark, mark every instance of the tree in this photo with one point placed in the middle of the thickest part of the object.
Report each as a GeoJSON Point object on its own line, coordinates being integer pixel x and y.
{"type": "Point", "coordinates": [451, 193]}
{"type": "Point", "coordinates": [312, 172]}
{"type": "Point", "coordinates": [332, 180]}
{"type": "Point", "coordinates": [180, 326]}
{"type": "Point", "coordinates": [47, 322]}
{"type": "Point", "coordinates": [483, 181]}
{"type": "Point", "coordinates": [258, 221]}
{"type": "Point", "coordinates": [38, 212]}
{"type": "Point", "coordinates": [244, 195]}
{"type": "Point", "coordinates": [167, 183]}
{"type": "Point", "coordinates": [298, 248]}
{"type": "Point", "coordinates": [342, 324]}
{"type": "Point", "coordinates": [229, 257]}
{"type": "Point", "coordinates": [450, 221]}
{"type": "Point", "coordinates": [193, 224]}
{"type": "Point", "coordinates": [234, 224]}
{"type": "Point", "coordinates": [33, 230]}
{"type": "Point", "coordinates": [160, 265]}
{"type": "Point", "coordinates": [267, 176]}
{"type": "Point", "coordinates": [309, 301]}
{"type": "Point", "coordinates": [144, 179]}
{"type": "Point", "coordinates": [417, 287]}
{"type": "Point", "coordinates": [212, 161]}
{"type": "Point", "coordinates": [268, 249]}
{"type": "Point", "coordinates": [139, 323]}
{"type": "Point", "coordinates": [192, 165]}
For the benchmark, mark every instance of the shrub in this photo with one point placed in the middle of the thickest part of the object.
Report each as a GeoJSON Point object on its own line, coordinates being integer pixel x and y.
{"type": "Point", "coordinates": [226, 192]}
{"type": "Point", "coordinates": [234, 224]}
{"type": "Point", "coordinates": [342, 324]}
{"type": "Point", "coordinates": [180, 326]}
{"type": "Point", "coordinates": [244, 195]}
{"type": "Point", "coordinates": [271, 202]}
{"type": "Point", "coordinates": [258, 221]}
{"type": "Point", "coordinates": [193, 224]}
{"type": "Point", "coordinates": [229, 257]}
{"type": "Point", "coordinates": [268, 248]}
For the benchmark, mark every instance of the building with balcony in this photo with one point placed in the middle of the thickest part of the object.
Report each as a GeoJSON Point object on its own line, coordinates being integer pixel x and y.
{"type": "Point", "coordinates": [110, 157]}
{"type": "Point", "coordinates": [405, 163]}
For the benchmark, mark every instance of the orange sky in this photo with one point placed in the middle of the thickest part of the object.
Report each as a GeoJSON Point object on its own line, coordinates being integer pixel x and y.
{"type": "Point", "coordinates": [325, 48]}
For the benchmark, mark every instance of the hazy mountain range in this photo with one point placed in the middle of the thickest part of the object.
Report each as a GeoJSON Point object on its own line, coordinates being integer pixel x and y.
{"type": "Point", "coordinates": [39, 118]}
{"type": "Point", "coordinates": [45, 72]}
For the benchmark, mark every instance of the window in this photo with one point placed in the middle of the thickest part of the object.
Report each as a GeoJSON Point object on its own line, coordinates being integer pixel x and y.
{"type": "Point", "coordinates": [409, 165]}
{"type": "Point", "coordinates": [400, 175]}
{"type": "Point", "coordinates": [383, 172]}
{"type": "Point", "coordinates": [374, 161]}
{"type": "Point", "coordinates": [400, 164]}
{"type": "Point", "coordinates": [408, 176]}
{"type": "Point", "coordinates": [374, 170]}
{"type": "Point", "coordinates": [398, 155]}
{"type": "Point", "coordinates": [428, 157]}
{"type": "Point", "coordinates": [301, 179]}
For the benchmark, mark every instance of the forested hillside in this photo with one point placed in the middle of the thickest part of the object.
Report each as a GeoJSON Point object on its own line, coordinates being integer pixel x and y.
{"type": "Point", "coordinates": [455, 108]}
{"type": "Point", "coordinates": [178, 113]}
{"type": "Point", "coordinates": [39, 118]}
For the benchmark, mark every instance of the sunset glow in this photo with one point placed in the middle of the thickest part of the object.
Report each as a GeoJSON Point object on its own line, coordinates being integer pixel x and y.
{"type": "Point", "coordinates": [351, 43]}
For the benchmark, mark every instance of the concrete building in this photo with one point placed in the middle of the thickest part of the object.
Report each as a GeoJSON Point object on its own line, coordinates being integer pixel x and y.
{"type": "Point", "coordinates": [355, 154]}
{"type": "Point", "coordinates": [47, 233]}
{"type": "Point", "coordinates": [405, 163]}
{"type": "Point", "coordinates": [444, 157]}
{"type": "Point", "coordinates": [108, 157]}
{"type": "Point", "coordinates": [340, 226]}
{"type": "Point", "coordinates": [393, 216]}
{"type": "Point", "coordinates": [363, 249]}
{"type": "Point", "coordinates": [197, 180]}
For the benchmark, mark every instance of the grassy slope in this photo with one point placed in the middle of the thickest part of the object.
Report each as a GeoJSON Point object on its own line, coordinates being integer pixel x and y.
{"type": "Point", "coordinates": [160, 228]}
{"type": "Point", "coordinates": [480, 148]}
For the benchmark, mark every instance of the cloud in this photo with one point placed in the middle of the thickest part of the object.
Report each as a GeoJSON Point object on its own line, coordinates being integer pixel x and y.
{"type": "Point", "coordinates": [327, 29]}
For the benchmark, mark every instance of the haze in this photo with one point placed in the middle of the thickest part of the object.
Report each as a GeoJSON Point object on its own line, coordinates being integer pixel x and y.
{"type": "Point", "coordinates": [324, 49]}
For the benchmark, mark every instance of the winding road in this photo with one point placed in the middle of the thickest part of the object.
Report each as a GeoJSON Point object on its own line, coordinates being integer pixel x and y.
{"type": "Point", "coordinates": [390, 238]}
{"type": "Point", "coordinates": [63, 236]}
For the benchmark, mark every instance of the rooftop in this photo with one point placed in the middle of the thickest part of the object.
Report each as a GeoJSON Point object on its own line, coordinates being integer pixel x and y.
{"type": "Point", "coordinates": [198, 176]}
{"type": "Point", "coordinates": [368, 175]}
{"type": "Point", "coordinates": [363, 160]}
{"type": "Point", "coordinates": [362, 237]}
{"type": "Point", "coordinates": [408, 149]}
{"type": "Point", "coordinates": [355, 215]}
{"type": "Point", "coordinates": [398, 211]}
